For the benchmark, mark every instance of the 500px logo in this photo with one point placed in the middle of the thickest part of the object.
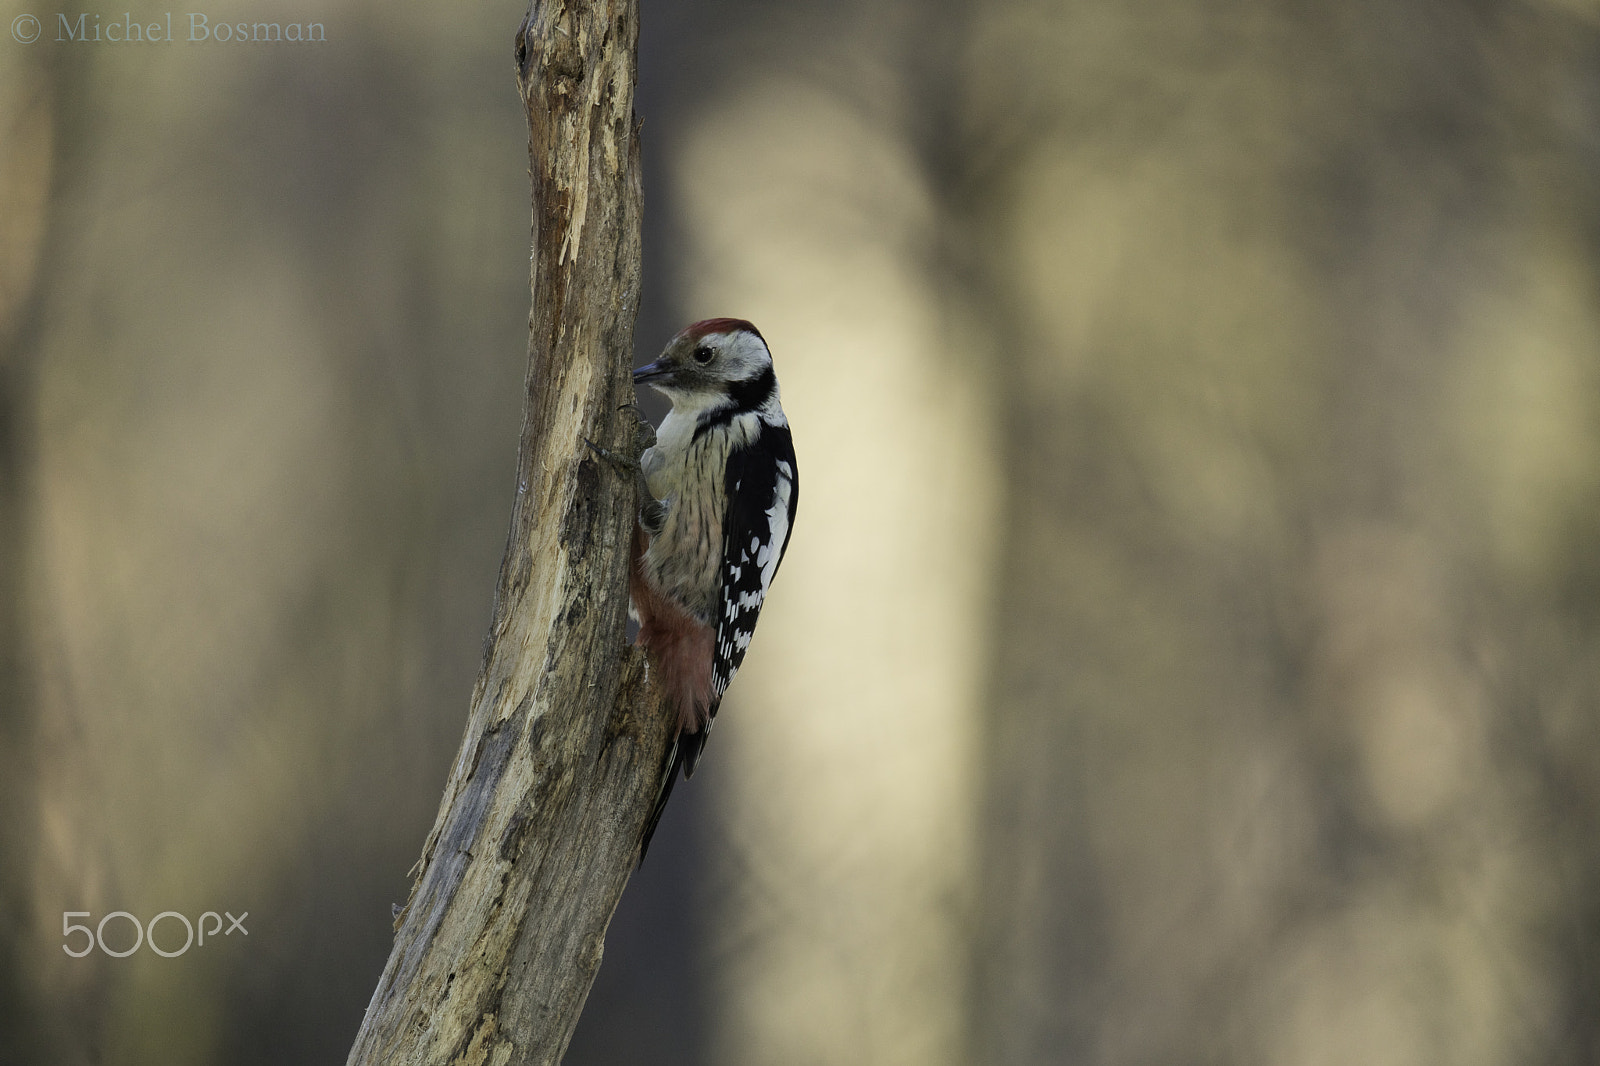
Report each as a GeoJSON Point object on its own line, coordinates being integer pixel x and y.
{"type": "Point", "coordinates": [192, 28]}
{"type": "Point", "coordinates": [144, 934]}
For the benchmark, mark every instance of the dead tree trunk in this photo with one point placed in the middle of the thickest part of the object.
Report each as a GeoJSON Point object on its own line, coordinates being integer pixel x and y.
{"type": "Point", "coordinates": [540, 821]}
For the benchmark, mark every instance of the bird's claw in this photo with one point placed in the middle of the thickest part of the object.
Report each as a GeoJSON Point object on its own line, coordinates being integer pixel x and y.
{"type": "Point", "coordinates": [647, 432]}
{"type": "Point", "coordinates": [620, 461]}
{"type": "Point", "coordinates": [652, 512]}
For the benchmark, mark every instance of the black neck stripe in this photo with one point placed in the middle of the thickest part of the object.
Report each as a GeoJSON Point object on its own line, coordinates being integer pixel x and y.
{"type": "Point", "coordinates": [747, 396]}
{"type": "Point", "coordinates": [750, 395]}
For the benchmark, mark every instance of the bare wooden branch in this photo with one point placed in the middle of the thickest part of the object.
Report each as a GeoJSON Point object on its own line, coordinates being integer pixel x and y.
{"type": "Point", "coordinates": [539, 824]}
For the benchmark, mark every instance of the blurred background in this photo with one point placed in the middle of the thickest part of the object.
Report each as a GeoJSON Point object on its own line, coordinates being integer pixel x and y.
{"type": "Point", "coordinates": [1189, 651]}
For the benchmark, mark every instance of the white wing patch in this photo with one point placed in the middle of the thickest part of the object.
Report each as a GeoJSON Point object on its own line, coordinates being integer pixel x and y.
{"type": "Point", "coordinates": [777, 531]}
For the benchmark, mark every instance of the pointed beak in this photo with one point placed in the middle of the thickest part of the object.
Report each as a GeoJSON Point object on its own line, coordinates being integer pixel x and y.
{"type": "Point", "coordinates": [657, 371]}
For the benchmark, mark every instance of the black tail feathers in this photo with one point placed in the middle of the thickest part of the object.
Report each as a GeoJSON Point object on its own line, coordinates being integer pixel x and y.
{"type": "Point", "coordinates": [683, 755]}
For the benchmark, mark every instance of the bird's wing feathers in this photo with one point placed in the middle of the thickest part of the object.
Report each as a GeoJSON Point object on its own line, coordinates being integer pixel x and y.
{"type": "Point", "coordinates": [763, 489]}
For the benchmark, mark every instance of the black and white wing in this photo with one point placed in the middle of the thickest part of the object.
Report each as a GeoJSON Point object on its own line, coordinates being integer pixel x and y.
{"type": "Point", "coordinates": [762, 489]}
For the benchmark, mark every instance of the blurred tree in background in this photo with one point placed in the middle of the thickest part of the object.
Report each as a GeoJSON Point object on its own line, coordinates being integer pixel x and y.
{"type": "Point", "coordinates": [1188, 652]}
{"type": "Point", "coordinates": [28, 136]}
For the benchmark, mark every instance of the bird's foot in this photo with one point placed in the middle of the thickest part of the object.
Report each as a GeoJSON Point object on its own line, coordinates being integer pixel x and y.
{"type": "Point", "coordinates": [621, 462]}
{"type": "Point", "coordinates": [646, 432]}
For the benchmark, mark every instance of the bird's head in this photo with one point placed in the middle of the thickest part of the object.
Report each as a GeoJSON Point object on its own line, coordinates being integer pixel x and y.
{"type": "Point", "coordinates": [716, 363]}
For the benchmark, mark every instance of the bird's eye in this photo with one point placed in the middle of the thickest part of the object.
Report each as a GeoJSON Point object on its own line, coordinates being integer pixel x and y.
{"type": "Point", "coordinates": [704, 354]}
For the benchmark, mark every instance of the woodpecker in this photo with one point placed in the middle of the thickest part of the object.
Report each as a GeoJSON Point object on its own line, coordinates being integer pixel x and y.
{"type": "Point", "coordinates": [724, 484]}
